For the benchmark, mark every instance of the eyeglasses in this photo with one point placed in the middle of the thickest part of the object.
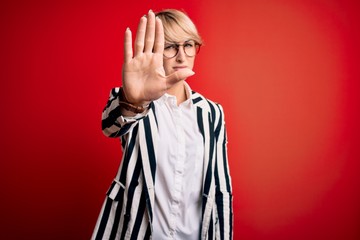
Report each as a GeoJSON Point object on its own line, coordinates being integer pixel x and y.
{"type": "Point", "coordinates": [191, 48]}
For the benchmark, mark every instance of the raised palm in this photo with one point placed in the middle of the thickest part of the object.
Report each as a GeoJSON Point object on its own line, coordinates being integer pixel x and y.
{"type": "Point", "coordinates": [144, 78]}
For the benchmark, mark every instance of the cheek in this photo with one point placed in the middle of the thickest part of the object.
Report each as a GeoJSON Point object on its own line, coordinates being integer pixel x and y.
{"type": "Point", "coordinates": [191, 62]}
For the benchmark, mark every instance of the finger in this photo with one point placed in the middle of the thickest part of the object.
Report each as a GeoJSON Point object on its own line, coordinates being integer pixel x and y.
{"type": "Point", "coordinates": [140, 36]}
{"type": "Point", "coordinates": [128, 52]}
{"type": "Point", "coordinates": [159, 37]}
{"type": "Point", "coordinates": [178, 76]}
{"type": "Point", "coordinates": [150, 32]}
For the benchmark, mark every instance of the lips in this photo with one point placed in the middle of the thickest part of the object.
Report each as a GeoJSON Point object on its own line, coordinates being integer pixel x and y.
{"type": "Point", "coordinates": [176, 68]}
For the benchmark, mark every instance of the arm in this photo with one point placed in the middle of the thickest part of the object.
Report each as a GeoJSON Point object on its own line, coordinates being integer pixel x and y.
{"type": "Point", "coordinates": [117, 121]}
{"type": "Point", "coordinates": [223, 181]}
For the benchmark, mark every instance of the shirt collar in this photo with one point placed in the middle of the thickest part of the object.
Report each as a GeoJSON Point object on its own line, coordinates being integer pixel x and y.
{"type": "Point", "coordinates": [172, 99]}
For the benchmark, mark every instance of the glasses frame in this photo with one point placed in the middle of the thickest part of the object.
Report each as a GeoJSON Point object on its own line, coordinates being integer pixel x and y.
{"type": "Point", "coordinates": [177, 47]}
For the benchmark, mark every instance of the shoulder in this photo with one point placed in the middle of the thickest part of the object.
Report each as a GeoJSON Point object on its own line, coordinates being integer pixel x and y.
{"type": "Point", "coordinates": [215, 109]}
{"type": "Point", "coordinates": [200, 101]}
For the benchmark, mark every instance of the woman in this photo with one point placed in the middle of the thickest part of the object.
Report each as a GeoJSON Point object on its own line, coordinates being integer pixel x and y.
{"type": "Point", "coordinates": [174, 181]}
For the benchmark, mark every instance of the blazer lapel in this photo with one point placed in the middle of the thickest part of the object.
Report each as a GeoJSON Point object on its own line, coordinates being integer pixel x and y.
{"type": "Point", "coordinates": [148, 134]}
{"type": "Point", "coordinates": [206, 128]}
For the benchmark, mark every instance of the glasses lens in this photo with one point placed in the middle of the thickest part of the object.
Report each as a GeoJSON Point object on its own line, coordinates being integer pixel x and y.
{"type": "Point", "coordinates": [170, 51]}
{"type": "Point", "coordinates": [190, 48]}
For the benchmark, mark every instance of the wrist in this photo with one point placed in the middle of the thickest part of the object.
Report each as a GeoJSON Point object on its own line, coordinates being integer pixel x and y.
{"type": "Point", "coordinates": [132, 107]}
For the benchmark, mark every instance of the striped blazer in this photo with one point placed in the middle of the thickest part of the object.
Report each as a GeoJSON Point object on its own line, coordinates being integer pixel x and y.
{"type": "Point", "coordinates": [127, 210]}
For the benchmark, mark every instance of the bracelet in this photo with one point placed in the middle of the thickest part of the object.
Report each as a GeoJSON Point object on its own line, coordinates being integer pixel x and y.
{"type": "Point", "coordinates": [124, 103]}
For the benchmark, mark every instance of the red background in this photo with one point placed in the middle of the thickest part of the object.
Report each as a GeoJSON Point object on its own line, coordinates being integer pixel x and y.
{"type": "Point", "coordinates": [286, 72]}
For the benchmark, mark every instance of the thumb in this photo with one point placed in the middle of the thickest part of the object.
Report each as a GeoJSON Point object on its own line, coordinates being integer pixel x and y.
{"type": "Point", "coordinates": [178, 76]}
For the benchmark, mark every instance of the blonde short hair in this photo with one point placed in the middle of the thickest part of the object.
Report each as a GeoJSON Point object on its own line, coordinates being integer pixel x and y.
{"type": "Point", "coordinates": [172, 20]}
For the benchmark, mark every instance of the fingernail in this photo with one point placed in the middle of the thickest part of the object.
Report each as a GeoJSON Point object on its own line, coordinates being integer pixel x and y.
{"type": "Point", "coordinates": [150, 11]}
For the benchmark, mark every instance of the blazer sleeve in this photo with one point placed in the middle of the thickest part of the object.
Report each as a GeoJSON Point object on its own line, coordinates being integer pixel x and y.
{"type": "Point", "coordinates": [112, 122]}
{"type": "Point", "coordinates": [223, 196]}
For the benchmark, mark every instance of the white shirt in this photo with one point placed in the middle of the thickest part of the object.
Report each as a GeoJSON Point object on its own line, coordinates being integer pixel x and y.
{"type": "Point", "coordinates": [179, 172]}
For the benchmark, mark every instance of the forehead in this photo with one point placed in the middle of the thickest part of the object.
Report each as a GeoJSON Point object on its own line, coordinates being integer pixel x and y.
{"type": "Point", "coordinates": [176, 34]}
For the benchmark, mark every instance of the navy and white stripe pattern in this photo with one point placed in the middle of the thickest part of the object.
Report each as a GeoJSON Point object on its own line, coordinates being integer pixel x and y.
{"type": "Point", "coordinates": [127, 210]}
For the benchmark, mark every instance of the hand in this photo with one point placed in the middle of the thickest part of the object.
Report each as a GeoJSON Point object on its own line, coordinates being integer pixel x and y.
{"type": "Point", "coordinates": [144, 77]}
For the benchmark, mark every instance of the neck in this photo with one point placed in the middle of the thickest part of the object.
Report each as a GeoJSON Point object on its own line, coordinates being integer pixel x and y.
{"type": "Point", "coordinates": [178, 90]}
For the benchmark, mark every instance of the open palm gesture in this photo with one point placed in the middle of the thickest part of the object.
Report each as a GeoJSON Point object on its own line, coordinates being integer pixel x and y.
{"type": "Point", "coordinates": [144, 78]}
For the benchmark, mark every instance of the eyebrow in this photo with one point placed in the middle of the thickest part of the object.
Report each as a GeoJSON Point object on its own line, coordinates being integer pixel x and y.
{"type": "Point", "coordinates": [172, 43]}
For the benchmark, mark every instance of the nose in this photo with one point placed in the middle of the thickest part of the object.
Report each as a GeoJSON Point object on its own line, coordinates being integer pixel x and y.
{"type": "Point", "coordinates": [180, 56]}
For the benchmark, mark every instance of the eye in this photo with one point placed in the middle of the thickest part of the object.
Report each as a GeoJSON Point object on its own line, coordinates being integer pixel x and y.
{"type": "Point", "coordinates": [189, 45]}
{"type": "Point", "coordinates": [170, 47]}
